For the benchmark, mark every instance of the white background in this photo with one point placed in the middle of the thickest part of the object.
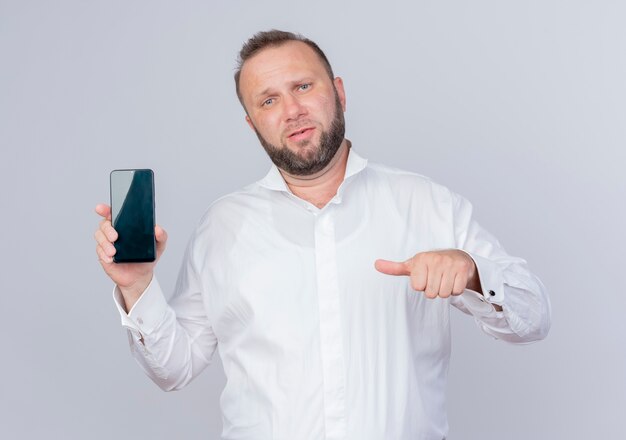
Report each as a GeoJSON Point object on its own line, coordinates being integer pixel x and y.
{"type": "Point", "coordinates": [519, 106]}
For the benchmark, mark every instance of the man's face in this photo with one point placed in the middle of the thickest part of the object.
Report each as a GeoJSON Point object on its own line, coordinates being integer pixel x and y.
{"type": "Point", "coordinates": [294, 107]}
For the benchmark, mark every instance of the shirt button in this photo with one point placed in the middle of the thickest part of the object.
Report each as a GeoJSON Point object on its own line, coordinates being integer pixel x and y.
{"type": "Point", "coordinates": [492, 293]}
{"type": "Point", "coordinates": [139, 321]}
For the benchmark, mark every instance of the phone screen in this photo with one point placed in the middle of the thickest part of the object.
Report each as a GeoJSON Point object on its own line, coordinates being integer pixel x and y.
{"type": "Point", "coordinates": [132, 215]}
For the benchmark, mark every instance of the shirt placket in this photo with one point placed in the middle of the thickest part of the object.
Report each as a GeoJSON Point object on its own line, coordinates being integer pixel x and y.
{"type": "Point", "coordinates": [331, 338]}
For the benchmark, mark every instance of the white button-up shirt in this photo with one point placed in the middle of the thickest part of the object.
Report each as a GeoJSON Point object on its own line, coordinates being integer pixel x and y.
{"type": "Point", "coordinates": [315, 343]}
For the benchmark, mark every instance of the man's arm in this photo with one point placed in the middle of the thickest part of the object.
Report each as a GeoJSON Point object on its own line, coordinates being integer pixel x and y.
{"type": "Point", "coordinates": [520, 308]}
{"type": "Point", "coordinates": [507, 301]}
{"type": "Point", "coordinates": [171, 342]}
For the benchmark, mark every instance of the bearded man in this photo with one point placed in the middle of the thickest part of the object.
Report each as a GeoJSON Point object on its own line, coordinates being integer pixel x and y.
{"type": "Point", "coordinates": [326, 285]}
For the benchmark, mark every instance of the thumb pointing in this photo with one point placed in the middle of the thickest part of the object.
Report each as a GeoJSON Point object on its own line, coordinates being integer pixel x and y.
{"type": "Point", "coordinates": [392, 267]}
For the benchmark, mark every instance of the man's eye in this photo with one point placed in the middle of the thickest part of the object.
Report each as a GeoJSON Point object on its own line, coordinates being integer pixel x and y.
{"type": "Point", "coordinates": [268, 101]}
{"type": "Point", "coordinates": [305, 86]}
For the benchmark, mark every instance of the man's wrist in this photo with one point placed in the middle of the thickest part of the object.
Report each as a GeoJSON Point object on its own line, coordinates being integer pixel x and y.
{"type": "Point", "coordinates": [132, 293]}
{"type": "Point", "coordinates": [473, 283]}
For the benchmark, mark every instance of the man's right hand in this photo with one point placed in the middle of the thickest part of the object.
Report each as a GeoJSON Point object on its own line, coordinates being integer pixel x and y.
{"type": "Point", "coordinates": [131, 278]}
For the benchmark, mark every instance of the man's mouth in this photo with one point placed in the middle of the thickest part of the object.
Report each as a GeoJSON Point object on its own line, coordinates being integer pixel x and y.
{"type": "Point", "coordinates": [301, 133]}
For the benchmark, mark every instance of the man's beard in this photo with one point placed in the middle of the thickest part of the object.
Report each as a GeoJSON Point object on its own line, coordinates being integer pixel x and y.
{"type": "Point", "coordinates": [315, 159]}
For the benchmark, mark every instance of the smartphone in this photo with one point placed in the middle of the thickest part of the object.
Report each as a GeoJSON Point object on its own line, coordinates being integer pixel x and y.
{"type": "Point", "coordinates": [132, 215]}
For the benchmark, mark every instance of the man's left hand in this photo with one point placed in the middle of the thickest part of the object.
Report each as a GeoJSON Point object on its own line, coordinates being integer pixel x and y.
{"type": "Point", "coordinates": [436, 273]}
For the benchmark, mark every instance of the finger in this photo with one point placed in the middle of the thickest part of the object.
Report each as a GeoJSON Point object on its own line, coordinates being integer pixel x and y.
{"type": "Point", "coordinates": [104, 259]}
{"type": "Point", "coordinates": [103, 210]}
{"type": "Point", "coordinates": [392, 267]}
{"type": "Point", "coordinates": [160, 234]}
{"type": "Point", "coordinates": [109, 232]}
{"type": "Point", "coordinates": [104, 243]}
{"type": "Point", "coordinates": [460, 282]}
{"type": "Point", "coordinates": [447, 284]}
{"type": "Point", "coordinates": [161, 239]}
{"type": "Point", "coordinates": [419, 276]}
{"type": "Point", "coordinates": [433, 283]}
{"type": "Point", "coordinates": [100, 237]}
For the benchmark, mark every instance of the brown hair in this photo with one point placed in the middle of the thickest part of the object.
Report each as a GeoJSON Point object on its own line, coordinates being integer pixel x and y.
{"type": "Point", "coordinates": [274, 38]}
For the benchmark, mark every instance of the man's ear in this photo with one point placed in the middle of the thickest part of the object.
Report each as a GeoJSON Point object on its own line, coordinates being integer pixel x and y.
{"type": "Point", "coordinates": [338, 82]}
{"type": "Point", "coordinates": [250, 124]}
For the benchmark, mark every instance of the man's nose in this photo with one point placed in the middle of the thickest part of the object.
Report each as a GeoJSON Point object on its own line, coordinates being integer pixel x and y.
{"type": "Point", "coordinates": [294, 108]}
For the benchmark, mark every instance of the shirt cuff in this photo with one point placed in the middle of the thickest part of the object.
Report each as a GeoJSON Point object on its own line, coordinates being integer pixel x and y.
{"type": "Point", "coordinates": [476, 304]}
{"type": "Point", "coordinates": [147, 313]}
{"type": "Point", "coordinates": [491, 279]}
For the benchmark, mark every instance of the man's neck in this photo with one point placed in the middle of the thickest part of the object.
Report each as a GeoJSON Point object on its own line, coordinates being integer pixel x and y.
{"type": "Point", "coordinates": [319, 188]}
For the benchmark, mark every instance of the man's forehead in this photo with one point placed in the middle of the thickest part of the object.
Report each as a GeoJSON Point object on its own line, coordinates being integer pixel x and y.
{"type": "Point", "coordinates": [291, 54]}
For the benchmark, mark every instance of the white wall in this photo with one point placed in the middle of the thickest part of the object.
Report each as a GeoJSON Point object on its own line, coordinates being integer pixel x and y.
{"type": "Point", "coordinates": [519, 106]}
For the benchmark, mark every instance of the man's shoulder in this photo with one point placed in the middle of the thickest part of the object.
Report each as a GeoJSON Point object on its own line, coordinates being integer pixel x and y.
{"type": "Point", "coordinates": [401, 179]}
{"type": "Point", "coordinates": [389, 172]}
{"type": "Point", "coordinates": [234, 203]}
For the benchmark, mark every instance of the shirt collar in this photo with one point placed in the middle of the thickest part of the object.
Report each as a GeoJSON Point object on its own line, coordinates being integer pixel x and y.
{"type": "Point", "coordinates": [273, 180]}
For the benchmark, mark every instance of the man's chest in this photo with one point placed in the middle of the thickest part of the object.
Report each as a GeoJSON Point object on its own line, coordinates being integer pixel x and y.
{"type": "Point", "coordinates": [283, 273]}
